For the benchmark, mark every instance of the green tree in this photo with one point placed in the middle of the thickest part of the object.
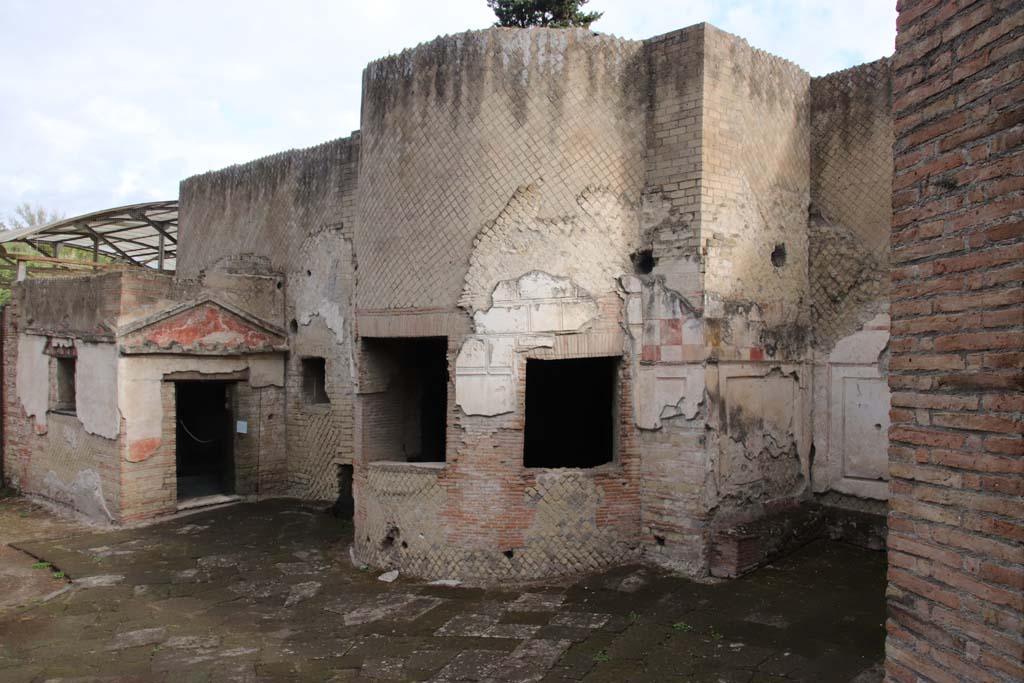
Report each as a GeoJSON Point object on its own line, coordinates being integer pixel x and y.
{"type": "Point", "coordinates": [28, 216]}
{"type": "Point", "coordinates": [550, 13]}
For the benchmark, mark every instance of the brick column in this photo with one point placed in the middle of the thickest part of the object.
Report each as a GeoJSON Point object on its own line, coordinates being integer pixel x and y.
{"type": "Point", "coordinates": [956, 560]}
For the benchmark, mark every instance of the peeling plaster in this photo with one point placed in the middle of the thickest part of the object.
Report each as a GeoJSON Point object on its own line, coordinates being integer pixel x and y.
{"type": "Point", "coordinates": [536, 302]}
{"type": "Point", "coordinates": [668, 391]}
{"type": "Point", "coordinates": [96, 389]}
{"type": "Point", "coordinates": [33, 378]}
{"type": "Point", "coordinates": [84, 493]}
{"type": "Point", "coordinates": [763, 452]}
{"type": "Point", "coordinates": [526, 313]}
{"type": "Point", "coordinates": [319, 286]}
{"type": "Point", "coordinates": [591, 247]}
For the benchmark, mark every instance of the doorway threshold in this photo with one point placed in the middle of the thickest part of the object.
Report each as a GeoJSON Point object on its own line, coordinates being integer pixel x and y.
{"type": "Point", "coordinates": [206, 501]}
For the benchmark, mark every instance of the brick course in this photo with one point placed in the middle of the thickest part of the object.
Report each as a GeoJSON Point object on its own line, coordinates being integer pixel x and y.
{"type": "Point", "coordinates": [956, 577]}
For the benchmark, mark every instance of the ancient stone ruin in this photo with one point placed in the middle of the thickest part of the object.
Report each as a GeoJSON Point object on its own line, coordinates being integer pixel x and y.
{"type": "Point", "coordinates": [564, 301]}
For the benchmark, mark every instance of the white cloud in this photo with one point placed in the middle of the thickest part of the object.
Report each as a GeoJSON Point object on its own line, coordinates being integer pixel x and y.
{"type": "Point", "coordinates": [115, 101]}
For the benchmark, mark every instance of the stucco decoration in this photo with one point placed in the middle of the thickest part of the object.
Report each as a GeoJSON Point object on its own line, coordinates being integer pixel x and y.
{"type": "Point", "coordinates": [762, 452]}
{"type": "Point", "coordinates": [526, 313]}
{"type": "Point", "coordinates": [664, 392]}
{"type": "Point", "coordinates": [591, 247]}
{"type": "Point", "coordinates": [851, 414]}
{"type": "Point", "coordinates": [204, 327]}
{"type": "Point", "coordinates": [34, 378]}
{"type": "Point", "coordinates": [536, 303]}
{"type": "Point", "coordinates": [95, 382]}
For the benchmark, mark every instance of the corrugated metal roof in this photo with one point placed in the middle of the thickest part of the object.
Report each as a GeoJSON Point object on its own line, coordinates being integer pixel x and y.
{"type": "Point", "coordinates": [144, 234]}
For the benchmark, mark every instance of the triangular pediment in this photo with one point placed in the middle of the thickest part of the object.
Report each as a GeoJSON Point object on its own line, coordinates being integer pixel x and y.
{"type": "Point", "coordinates": [205, 327]}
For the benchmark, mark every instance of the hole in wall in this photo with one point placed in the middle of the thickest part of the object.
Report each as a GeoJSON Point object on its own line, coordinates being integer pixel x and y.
{"type": "Point", "coordinates": [309, 273]}
{"type": "Point", "coordinates": [404, 544]}
{"type": "Point", "coordinates": [660, 540]}
{"type": "Point", "coordinates": [280, 284]}
{"type": "Point", "coordinates": [509, 553]}
{"type": "Point", "coordinates": [270, 417]}
{"type": "Point", "coordinates": [293, 326]}
{"type": "Point", "coordinates": [779, 255]}
{"type": "Point", "coordinates": [643, 261]}
{"type": "Point", "coordinates": [878, 426]}
{"type": "Point", "coordinates": [389, 538]}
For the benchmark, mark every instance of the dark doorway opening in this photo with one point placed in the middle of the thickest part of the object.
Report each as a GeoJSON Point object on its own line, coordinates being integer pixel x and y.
{"type": "Point", "coordinates": [406, 418]}
{"type": "Point", "coordinates": [571, 412]}
{"type": "Point", "coordinates": [205, 439]}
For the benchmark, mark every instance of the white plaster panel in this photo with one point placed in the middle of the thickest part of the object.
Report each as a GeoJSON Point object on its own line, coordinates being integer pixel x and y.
{"type": "Point", "coordinates": [535, 341]}
{"type": "Point", "coordinates": [485, 393]}
{"type": "Point", "coordinates": [634, 310]}
{"type": "Point", "coordinates": [473, 354]}
{"type": "Point", "coordinates": [577, 314]}
{"type": "Point", "coordinates": [96, 389]}
{"type": "Point", "coordinates": [546, 317]}
{"type": "Point", "coordinates": [858, 407]}
{"type": "Point", "coordinates": [484, 376]}
{"type": "Point", "coordinates": [539, 285]}
{"type": "Point", "coordinates": [502, 352]}
{"type": "Point", "coordinates": [667, 391]}
{"type": "Point", "coordinates": [33, 377]}
{"type": "Point", "coordinates": [502, 319]}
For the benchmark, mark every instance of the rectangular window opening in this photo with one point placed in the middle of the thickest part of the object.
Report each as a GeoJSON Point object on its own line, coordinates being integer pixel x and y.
{"type": "Point", "coordinates": [405, 398]}
{"type": "Point", "coordinates": [571, 412]}
{"type": "Point", "coordinates": [314, 380]}
{"type": "Point", "coordinates": [65, 385]}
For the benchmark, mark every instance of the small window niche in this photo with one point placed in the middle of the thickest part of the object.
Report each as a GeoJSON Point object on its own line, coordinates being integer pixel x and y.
{"type": "Point", "coordinates": [65, 386]}
{"type": "Point", "coordinates": [314, 381]}
{"type": "Point", "coordinates": [571, 412]}
{"type": "Point", "coordinates": [405, 399]}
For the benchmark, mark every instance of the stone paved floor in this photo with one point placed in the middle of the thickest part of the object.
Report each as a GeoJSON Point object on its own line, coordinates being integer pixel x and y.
{"type": "Point", "coordinates": [266, 593]}
{"type": "Point", "coordinates": [22, 578]}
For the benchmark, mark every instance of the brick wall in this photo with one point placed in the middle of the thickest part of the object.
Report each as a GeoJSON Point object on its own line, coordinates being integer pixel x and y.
{"type": "Point", "coordinates": [452, 128]}
{"type": "Point", "coordinates": [293, 214]}
{"type": "Point", "coordinates": [754, 186]}
{"type": "Point", "coordinates": [671, 217]}
{"type": "Point", "coordinates": [17, 431]}
{"type": "Point", "coordinates": [956, 565]}
{"type": "Point", "coordinates": [484, 517]}
{"type": "Point", "coordinates": [851, 198]}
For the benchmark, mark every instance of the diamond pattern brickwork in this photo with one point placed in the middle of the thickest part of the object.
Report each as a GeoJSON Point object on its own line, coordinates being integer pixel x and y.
{"type": "Point", "coordinates": [562, 537]}
{"type": "Point", "coordinates": [453, 128]}
{"type": "Point", "coordinates": [851, 196]}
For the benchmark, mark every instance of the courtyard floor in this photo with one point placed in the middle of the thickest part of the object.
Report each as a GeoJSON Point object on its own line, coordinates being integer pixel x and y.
{"type": "Point", "coordinates": [266, 592]}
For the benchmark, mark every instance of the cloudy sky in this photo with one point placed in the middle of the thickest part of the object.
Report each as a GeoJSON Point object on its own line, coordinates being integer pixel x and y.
{"type": "Point", "coordinates": [105, 103]}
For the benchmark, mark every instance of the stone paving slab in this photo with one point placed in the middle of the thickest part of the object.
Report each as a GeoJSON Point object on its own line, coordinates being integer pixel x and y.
{"type": "Point", "coordinates": [266, 592]}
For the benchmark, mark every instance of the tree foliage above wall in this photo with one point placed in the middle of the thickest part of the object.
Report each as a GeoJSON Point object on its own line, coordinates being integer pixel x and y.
{"type": "Point", "coordinates": [549, 13]}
